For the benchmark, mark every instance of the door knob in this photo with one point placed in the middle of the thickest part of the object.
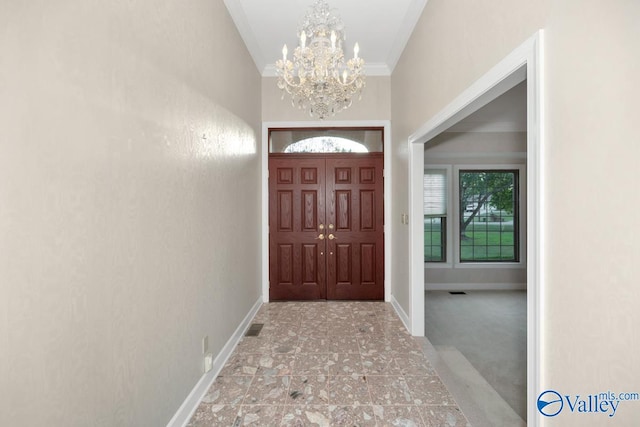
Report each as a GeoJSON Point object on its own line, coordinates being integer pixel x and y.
{"type": "Point", "coordinates": [331, 237]}
{"type": "Point", "coordinates": [320, 237]}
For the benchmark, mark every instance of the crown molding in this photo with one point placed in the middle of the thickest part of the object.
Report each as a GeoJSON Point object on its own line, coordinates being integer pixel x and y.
{"type": "Point", "coordinates": [239, 17]}
{"type": "Point", "coordinates": [414, 11]}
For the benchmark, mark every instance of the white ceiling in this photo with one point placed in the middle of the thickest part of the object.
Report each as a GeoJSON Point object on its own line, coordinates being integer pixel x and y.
{"type": "Point", "coordinates": [381, 27]}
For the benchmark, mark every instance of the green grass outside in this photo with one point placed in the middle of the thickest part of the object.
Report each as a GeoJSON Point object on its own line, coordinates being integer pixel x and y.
{"type": "Point", "coordinates": [433, 250]}
{"type": "Point", "coordinates": [484, 242]}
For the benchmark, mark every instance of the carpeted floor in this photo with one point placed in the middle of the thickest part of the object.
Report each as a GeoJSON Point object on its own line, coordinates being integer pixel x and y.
{"type": "Point", "coordinates": [489, 328]}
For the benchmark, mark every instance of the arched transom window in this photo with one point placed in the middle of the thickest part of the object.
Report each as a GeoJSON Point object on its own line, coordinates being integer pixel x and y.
{"type": "Point", "coordinates": [326, 140]}
{"type": "Point", "coordinates": [326, 144]}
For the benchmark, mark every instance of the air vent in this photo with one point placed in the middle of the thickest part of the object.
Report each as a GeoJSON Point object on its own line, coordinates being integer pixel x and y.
{"type": "Point", "coordinates": [458, 293]}
{"type": "Point", "coordinates": [254, 330]}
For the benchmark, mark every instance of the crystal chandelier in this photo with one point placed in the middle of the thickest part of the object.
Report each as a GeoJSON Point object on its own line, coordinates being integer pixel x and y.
{"type": "Point", "coordinates": [318, 79]}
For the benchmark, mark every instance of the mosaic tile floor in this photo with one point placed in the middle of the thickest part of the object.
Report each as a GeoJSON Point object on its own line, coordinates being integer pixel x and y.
{"type": "Point", "coordinates": [328, 364]}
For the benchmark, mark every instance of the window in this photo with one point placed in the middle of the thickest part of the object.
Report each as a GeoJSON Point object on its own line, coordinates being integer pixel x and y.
{"type": "Point", "coordinates": [326, 140]}
{"type": "Point", "coordinates": [328, 144]}
{"type": "Point", "coordinates": [435, 215]}
{"type": "Point", "coordinates": [489, 216]}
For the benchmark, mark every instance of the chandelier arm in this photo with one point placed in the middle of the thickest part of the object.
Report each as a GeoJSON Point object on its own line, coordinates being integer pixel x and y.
{"type": "Point", "coordinates": [291, 83]}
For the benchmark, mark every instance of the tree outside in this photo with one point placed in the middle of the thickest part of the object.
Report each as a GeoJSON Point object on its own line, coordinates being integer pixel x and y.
{"type": "Point", "coordinates": [488, 203]}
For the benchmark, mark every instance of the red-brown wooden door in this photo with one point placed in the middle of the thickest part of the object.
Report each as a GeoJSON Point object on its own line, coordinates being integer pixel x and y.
{"type": "Point", "coordinates": [326, 221]}
{"type": "Point", "coordinates": [297, 269]}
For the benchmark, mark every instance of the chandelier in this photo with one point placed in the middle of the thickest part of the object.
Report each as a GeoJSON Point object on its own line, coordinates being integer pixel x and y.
{"type": "Point", "coordinates": [319, 79]}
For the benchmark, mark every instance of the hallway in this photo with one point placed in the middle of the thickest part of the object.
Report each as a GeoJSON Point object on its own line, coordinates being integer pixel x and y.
{"type": "Point", "coordinates": [328, 364]}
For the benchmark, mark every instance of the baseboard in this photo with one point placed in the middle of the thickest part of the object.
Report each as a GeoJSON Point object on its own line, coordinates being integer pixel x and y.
{"type": "Point", "coordinates": [189, 406]}
{"type": "Point", "coordinates": [401, 313]}
{"type": "Point", "coordinates": [475, 286]}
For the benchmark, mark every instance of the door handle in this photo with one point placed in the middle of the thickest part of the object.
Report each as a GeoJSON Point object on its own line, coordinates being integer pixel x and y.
{"type": "Point", "coordinates": [321, 237]}
{"type": "Point", "coordinates": [331, 237]}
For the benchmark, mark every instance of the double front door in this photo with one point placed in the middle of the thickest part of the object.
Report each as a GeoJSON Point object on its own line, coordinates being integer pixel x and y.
{"type": "Point", "coordinates": [326, 219]}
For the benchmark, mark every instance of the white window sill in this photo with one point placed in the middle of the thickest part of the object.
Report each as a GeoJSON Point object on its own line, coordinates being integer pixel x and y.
{"type": "Point", "coordinates": [477, 265]}
{"type": "Point", "coordinates": [438, 265]}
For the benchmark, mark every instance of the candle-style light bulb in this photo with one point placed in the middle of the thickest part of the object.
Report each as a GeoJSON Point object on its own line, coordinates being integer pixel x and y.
{"type": "Point", "coordinates": [344, 77]}
{"type": "Point", "coordinates": [356, 49]}
{"type": "Point", "coordinates": [284, 53]}
{"type": "Point", "coordinates": [333, 40]}
{"type": "Point", "coordinates": [303, 39]}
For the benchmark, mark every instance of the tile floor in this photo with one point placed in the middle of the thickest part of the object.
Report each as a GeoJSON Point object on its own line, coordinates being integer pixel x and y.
{"type": "Point", "coordinates": [328, 363]}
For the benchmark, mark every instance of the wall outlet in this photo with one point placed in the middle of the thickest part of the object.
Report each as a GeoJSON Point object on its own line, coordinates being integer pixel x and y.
{"type": "Point", "coordinates": [205, 344]}
{"type": "Point", "coordinates": [208, 362]}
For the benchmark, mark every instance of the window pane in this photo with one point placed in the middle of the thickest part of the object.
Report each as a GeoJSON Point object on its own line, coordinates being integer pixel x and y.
{"type": "Point", "coordinates": [326, 144]}
{"type": "Point", "coordinates": [434, 239]}
{"type": "Point", "coordinates": [488, 216]}
{"type": "Point", "coordinates": [435, 192]}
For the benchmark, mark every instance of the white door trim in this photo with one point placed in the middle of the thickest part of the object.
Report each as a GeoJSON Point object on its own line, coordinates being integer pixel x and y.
{"type": "Point", "coordinates": [265, 191]}
{"type": "Point", "coordinates": [525, 62]}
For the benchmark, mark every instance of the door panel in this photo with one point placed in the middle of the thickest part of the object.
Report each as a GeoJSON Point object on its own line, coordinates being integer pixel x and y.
{"type": "Point", "coordinates": [296, 210]}
{"type": "Point", "coordinates": [355, 267]}
{"type": "Point", "coordinates": [339, 198]}
{"type": "Point", "coordinates": [285, 211]}
{"type": "Point", "coordinates": [343, 210]}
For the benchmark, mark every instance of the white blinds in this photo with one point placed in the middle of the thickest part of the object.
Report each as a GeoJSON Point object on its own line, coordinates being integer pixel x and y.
{"type": "Point", "coordinates": [435, 192]}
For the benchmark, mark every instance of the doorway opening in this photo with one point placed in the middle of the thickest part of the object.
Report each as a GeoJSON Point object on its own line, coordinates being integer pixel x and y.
{"type": "Point", "coordinates": [475, 241]}
{"type": "Point", "coordinates": [330, 126]}
{"type": "Point", "coordinates": [326, 214]}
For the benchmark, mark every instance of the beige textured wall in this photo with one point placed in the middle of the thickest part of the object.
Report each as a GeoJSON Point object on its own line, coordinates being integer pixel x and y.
{"type": "Point", "coordinates": [590, 302]}
{"type": "Point", "coordinates": [592, 298]}
{"type": "Point", "coordinates": [374, 105]}
{"type": "Point", "coordinates": [120, 227]}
